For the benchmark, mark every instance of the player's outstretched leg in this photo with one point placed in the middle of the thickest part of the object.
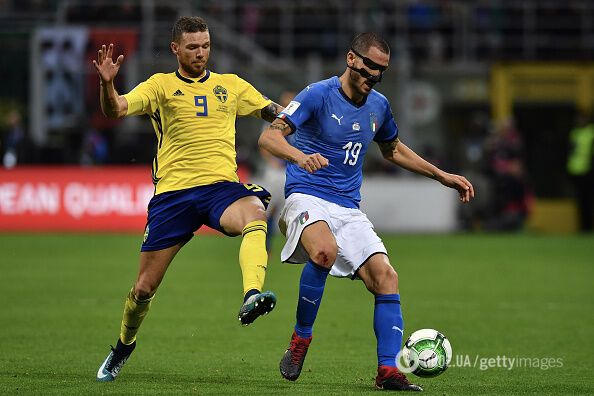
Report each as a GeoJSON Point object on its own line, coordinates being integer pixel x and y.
{"type": "Point", "coordinates": [256, 305]}
{"type": "Point", "coordinates": [135, 310]}
{"type": "Point", "coordinates": [311, 290]}
{"type": "Point", "coordinates": [114, 362]}
{"type": "Point", "coordinates": [253, 261]}
{"type": "Point", "coordinates": [389, 378]}
{"type": "Point", "coordinates": [292, 361]}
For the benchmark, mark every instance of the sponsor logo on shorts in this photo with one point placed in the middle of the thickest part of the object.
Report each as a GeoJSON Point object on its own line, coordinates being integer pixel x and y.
{"type": "Point", "coordinates": [146, 232]}
{"type": "Point", "coordinates": [303, 217]}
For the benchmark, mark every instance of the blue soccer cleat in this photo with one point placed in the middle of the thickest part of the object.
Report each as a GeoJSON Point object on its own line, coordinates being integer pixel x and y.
{"type": "Point", "coordinates": [255, 306]}
{"type": "Point", "coordinates": [114, 362]}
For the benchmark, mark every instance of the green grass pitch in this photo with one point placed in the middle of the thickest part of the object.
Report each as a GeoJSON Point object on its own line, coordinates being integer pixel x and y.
{"type": "Point", "coordinates": [527, 297]}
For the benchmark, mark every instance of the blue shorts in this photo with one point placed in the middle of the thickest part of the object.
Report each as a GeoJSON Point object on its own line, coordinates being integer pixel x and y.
{"type": "Point", "coordinates": [174, 216]}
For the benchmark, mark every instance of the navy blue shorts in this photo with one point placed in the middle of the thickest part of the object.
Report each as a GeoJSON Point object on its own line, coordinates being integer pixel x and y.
{"type": "Point", "coordinates": [174, 216]}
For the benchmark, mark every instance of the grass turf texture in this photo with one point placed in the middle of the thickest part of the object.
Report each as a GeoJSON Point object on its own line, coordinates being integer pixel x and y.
{"type": "Point", "coordinates": [516, 296]}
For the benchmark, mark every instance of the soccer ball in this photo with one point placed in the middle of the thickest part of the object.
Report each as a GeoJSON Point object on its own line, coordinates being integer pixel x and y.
{"type": "Point", "coordinates": [426, 353]}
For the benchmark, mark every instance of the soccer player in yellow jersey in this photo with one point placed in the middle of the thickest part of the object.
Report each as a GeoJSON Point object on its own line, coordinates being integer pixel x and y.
{"type": "Point", "coordinates": [193, 111]}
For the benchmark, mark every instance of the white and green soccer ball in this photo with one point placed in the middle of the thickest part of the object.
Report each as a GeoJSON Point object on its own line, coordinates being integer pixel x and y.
{"type": "Point", "coordinates": [426, 353]}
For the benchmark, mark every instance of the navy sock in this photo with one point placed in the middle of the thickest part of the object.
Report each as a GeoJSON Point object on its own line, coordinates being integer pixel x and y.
{"type": "Point", "coordinates": [389, 328]}
{"type": "Point", "coordinates": [250, 293]}
{"type": "Point", "coordinates": [311, 289]}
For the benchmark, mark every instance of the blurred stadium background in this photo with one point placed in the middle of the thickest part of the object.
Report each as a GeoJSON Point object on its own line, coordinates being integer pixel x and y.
{"type": "Point", "coordinates": [488, 88]}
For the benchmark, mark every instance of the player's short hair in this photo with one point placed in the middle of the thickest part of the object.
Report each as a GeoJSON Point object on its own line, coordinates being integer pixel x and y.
{"type": "Point", "coordinates": [363, 41]}
{"type": "Point", "coordinates": [186, 24]}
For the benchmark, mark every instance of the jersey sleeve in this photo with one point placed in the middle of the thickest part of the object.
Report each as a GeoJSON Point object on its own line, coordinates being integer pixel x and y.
{"type": "Point", "coordinates": [144, 98]}
{"type": "Point", "coordinates": [388, 131]}
{"type": "Point", "coordinates": [249, 99]}
{"type": "Point", "coordinates": [303, 107]}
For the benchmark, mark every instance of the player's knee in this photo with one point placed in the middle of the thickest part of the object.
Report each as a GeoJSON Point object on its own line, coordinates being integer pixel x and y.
{"type": "Point", "coordinates": [384, 281]}
{"type": "Point", "coordinates": [392, 279]}
{"type": "Point", "coordinates": [260, 214]}
{"type": "Point", "coordinates": [325, 254]}
{"type": "Point", "coordinates": [255, 213]}
{"type": "Point", "coordinates": [144, 290]}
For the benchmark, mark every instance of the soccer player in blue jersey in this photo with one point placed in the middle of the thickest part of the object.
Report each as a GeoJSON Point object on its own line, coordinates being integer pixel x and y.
{"type": "Point", "coordinates": [193, 111]}
{"type": "Point", "coordinates": [333, 122]}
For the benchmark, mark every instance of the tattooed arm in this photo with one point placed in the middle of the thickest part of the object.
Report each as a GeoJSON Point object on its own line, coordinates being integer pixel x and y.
{"type": "Point", "coordinates": [270, 112]}
{"type": "Point", "coordinates": [273, 140]}
{"type": "Point", "coordinates": [398, 153]}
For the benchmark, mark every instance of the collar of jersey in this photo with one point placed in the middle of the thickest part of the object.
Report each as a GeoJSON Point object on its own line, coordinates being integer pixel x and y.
{"type": "Point", "coordinates": [190, 81]}
{"type": "Point", "coordinates": [345, 96]}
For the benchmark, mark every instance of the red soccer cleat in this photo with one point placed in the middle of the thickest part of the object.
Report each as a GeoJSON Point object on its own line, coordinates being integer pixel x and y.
{"type": "Point", "coordinates": [292, 361]}
{"type": "Point", "coordinates": [389, 378]}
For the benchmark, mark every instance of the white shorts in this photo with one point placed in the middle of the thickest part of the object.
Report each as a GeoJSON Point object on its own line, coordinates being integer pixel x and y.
{"type": "Point", "coordinates": [355, 237]}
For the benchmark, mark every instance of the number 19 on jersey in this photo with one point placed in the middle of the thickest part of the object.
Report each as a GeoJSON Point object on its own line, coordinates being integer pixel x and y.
{"type": "Point", "coordinates": [351, 154]}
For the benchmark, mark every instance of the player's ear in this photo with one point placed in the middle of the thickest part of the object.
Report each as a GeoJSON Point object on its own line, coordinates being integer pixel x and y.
{"type": "Point", "coordinates": [174, 47]}
{"type": "Point", "coordinates": [350, 58]}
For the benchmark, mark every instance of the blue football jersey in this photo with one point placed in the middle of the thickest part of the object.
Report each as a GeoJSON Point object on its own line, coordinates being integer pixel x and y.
{"type": "Point", "coordinates": [324, 120]}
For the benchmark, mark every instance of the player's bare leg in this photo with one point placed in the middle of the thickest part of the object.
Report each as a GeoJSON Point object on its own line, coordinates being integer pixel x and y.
{"type": "Point", "coordinates": [153, 266]}
{"type": "Point", "coordinates": [247, 217]}
{"type": "Point", "coordinates": [382, 280]}
{"type": "Point", "coordinates": [378, 275]}
{"type": "Point", "coordinates": [320, 244]}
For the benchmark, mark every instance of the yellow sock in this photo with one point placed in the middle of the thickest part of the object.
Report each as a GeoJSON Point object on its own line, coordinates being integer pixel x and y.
{"type": "Point", "coordinates": [252, 255]}
{"type": "Point", "coordinates": [134, 312]}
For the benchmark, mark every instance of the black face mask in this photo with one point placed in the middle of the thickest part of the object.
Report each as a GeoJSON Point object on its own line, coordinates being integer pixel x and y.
{"type": "Point", "coordinates": [371, 78]}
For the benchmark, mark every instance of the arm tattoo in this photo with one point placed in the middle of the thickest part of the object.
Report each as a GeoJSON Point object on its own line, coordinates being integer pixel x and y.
{"type": "Point", "coordinates": [281, 126]}
{"type": "Point", "coordinates": [388, 148]}
{"type": "Point", "coordinates": [276, 126]}
{"type": "Point", "coordinates": [270, 112]}
{"type": "Point", "coordinates": [285, 129]}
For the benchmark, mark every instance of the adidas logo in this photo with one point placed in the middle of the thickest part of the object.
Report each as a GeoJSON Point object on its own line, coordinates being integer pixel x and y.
{"type": "Point", "coordinates": [178, 93]}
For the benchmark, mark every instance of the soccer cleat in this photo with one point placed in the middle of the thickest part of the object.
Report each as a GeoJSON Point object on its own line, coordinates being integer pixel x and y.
{"type": "Point", "coordinates": [292, 361]}
{"type": "Point", "coordinates": [256, 305]}
{"type": "Point", "coordinates": [112, 365]}
{"type": "Point", "coordinates": [389, 378]}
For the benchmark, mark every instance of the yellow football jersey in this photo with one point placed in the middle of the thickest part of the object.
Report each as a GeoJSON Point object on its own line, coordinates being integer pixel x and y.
{"type": "Point", "coordinates": [195, 125]}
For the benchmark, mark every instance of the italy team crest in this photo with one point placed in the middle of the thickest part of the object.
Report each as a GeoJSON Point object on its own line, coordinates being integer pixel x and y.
{"type": "Point", "coordinates": [221, 93]}
{"type": "Point", "coordinates": [303, 217]}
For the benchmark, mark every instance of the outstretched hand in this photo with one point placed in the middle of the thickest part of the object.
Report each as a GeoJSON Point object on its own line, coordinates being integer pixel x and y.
{"type": "Point", "coordinates": [460, 183]}
{"type": "Point", "coordinates": [104, 64]}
